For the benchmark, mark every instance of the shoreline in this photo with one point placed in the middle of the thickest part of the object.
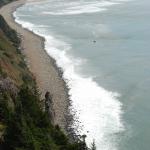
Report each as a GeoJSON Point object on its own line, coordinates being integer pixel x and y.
{"type": "Point", "coordinates": [47, 74]}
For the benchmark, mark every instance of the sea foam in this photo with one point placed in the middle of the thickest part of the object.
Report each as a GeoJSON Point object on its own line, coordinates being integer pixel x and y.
{"type": "Point", "coordinates": [80, 7]}
{"type": "Point", "coordinates": [98, 110]}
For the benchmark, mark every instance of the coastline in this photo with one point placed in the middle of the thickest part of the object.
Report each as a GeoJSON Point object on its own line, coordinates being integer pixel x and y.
{"type": "Point", "coordinates": [48, 76]}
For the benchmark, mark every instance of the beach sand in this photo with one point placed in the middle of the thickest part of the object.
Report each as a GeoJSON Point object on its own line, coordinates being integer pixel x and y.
{"type": "Point", "coordinates": [43, 67]}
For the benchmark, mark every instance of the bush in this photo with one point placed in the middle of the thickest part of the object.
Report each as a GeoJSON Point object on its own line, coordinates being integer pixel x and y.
{"type": "Point", "coordinates": [22, 64]}
{"type": "Point", "coordinates": [29, 128]}
{"type": "Point", "coordinates": [7, 55]}
{"type": "Point", "coordinates": [10, 33]}
{"type": "Point", "coordinates": [27, 78]}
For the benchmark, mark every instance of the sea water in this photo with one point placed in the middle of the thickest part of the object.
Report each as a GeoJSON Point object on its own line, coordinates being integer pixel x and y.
{"type": "Point", "coordinates": [103, 48]}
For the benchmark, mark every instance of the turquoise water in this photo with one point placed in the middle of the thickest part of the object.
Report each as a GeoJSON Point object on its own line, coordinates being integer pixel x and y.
{"type": "Point", "coordinates": [103, 48]}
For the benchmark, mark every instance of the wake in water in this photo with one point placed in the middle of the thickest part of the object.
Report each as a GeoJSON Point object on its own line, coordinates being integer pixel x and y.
{"type": "Point", "coordinates": [98, 110]}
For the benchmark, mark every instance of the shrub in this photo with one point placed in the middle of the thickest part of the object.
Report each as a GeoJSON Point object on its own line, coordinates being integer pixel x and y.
{"type": "Point", "coordinates": [7, 55]}
{"type": "Point", "coordinates": [22, 64]}
{"type": "Point", "coordinates": [10, 33]}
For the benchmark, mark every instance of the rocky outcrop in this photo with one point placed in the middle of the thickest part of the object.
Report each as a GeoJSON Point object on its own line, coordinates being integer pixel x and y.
{"type": "Point", "coordinates": [49, 106]}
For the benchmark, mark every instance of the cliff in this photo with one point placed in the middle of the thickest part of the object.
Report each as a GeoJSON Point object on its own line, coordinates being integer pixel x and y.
{"type": "Point", "coordinates": [24, 124]}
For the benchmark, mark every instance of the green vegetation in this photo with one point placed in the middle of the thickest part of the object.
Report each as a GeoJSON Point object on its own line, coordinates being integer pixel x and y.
{"type": "Point", "coordinates": [11, 34]}
{"type": "Point", "coordinates": [23, 123]}
{"type": "Point", "coordinates": [11, 60]}
{"type": "Point", "coordinates": [3, 2]}
{"type": "Point", "coordinates": [27, 127]}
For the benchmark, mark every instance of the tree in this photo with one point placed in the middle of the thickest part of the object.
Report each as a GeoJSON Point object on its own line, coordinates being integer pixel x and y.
{"type": "Point", "coordinates": [93, 146]}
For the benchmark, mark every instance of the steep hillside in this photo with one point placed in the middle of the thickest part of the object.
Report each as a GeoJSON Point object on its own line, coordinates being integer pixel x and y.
{"type": "Point", "coordinates": [12, 62]}
{"type": "Point", "coordinates": [24, 123]}
{"type": "Point", "coordinates": [3, 2]}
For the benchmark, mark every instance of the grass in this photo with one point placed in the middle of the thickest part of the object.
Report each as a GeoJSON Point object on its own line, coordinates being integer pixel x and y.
{"type": "Point", "coordinates": [11, 61]}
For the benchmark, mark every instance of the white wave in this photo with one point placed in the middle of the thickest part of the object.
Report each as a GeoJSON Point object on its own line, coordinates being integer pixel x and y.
{"type": "Point", "coordinates": [75, 12]}
{"type": "Point", "coordinates": [99, 110]}
{"type": "Point", "coordinates": [24, 24]}
{"type": "Point", "coordinates": [74, 8]}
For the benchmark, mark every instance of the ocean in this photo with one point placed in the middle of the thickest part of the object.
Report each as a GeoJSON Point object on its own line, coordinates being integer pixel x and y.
{"type": "Point", "coordinates": [102, 47]}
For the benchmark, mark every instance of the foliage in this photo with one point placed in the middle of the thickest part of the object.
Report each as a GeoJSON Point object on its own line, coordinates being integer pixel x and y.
{"type": "Point", "coordinates": [11, 34]}
{"type": "Point", "coordinates": [93, 146]}
{"type": "Point", "coordinates": [11, 60]}
{"type": "Point", "coordinates": [29, 128]}
{"type": "Point", "coordinates": [3, 2]}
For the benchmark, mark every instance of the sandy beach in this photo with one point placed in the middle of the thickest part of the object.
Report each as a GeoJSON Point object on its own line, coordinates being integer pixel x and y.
{"type": "Point", "coordinates": [40, 64]}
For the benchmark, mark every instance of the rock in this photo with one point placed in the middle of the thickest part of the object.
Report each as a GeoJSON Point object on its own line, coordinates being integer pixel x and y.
{"type": "Point", "coordinates": [49, 106]}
